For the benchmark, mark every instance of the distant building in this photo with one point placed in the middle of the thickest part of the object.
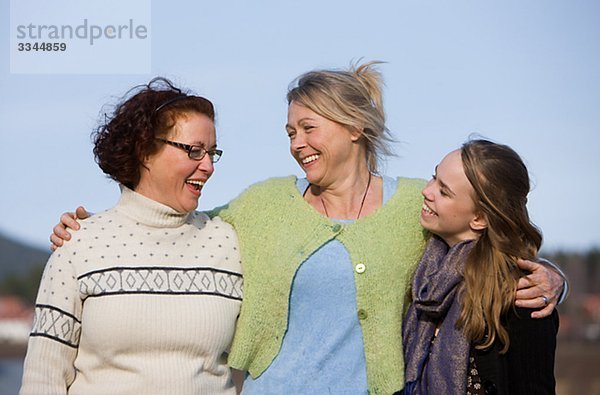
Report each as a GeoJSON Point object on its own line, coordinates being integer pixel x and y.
{"type": "Point", "coordinates": [16, 318]}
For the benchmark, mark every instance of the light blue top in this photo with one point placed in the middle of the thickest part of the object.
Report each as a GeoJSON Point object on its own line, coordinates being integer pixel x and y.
{"type": "Point", "coordinates": [322, 351]}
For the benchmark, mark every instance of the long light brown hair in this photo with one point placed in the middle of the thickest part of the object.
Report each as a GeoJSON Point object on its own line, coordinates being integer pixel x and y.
{"type": "Point", "coordinates": [501, 184]}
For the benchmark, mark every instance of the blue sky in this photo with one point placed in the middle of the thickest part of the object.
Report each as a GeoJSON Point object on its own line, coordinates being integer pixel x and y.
{"type": "Point", "coordinates": [521, 73]}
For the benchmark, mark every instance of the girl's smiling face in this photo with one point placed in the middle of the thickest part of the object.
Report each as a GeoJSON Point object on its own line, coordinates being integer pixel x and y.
{"type": "Point", "coordinates": [448, 208]}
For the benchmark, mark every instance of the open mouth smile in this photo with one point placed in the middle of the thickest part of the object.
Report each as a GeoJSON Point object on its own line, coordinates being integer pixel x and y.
{"type": "Point", "coordinates": [196, 184]}
{"type": "Point", "coordinates": [310, 159]}
{"type": "Point", "coordinates": [427, 211]}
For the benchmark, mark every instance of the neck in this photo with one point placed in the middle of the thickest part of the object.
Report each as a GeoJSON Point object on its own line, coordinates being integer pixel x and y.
{"type": "Point", "coordinates": [347, 199]}
{"type": "Point", "coordinates": [453, 240]}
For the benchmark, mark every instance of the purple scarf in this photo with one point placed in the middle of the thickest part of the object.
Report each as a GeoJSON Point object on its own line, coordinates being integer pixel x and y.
{"type": "Point", "coordinates": [436, 366]}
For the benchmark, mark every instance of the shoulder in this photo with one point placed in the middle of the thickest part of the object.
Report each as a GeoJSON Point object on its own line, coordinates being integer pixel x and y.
{"type": "Point", "coordinates": [269, 191]}
{"type": "Point", "coordinates": [519, 321]}
{"type": "Point", "coordinates": [218, 240]}
{"type": "Point", "coordinates": [93, 228]}
{"type": "Point", "coordinates": [96, 230]}
{"type": "Point", "coordinates": [271, 185]}
{"type": "Point", "coordinates": [407, 194]}
{"type": "Point", "coordinates": [531, 335]}
{"type": "Point", "coordinates": [410, 184]}
{"type": "Point", "coordinates": [100, 219]}
{"type": "Point", "coordinates": [530, 357]}
{"type": "Point", "coordinates": [215, 224]}
{"type": "Point", "coordinates": [523, 315]}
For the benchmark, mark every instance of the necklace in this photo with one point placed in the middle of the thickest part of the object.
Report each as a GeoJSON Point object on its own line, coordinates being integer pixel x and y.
{"type": "Point", "coordinates": [361, 203]}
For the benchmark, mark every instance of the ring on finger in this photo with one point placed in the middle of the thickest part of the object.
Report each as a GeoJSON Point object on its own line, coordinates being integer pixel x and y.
{"type": "Point", "coordinates": [545, 299]}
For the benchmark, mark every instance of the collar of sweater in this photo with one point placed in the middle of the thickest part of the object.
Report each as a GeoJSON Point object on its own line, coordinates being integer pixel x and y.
{"type": "Point", "coordinates": [147, 211]}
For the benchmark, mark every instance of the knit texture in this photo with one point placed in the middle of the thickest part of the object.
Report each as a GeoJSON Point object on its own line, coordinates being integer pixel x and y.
{"type": "Point", "coordinates": [436, 364]}
{"type": "Point", "coordinates": [141, 300]}
{"type": "Point", "coordinates": [278, 230]}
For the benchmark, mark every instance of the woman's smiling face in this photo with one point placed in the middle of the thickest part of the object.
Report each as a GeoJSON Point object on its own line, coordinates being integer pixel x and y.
{"type": "Point", "coordinates": [327, 151]}
{"type": "Point", "coordinates": [170, 177]}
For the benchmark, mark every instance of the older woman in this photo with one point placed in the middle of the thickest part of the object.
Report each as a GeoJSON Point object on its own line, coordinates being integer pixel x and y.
{"type": "Point", "coordinates": [328, 258]}
{"type": "Point", "coordinates": [144, 297]}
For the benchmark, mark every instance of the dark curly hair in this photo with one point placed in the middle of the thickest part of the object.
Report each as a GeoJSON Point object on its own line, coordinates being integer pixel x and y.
{"type": "Point", "coordinates": [128, 135]}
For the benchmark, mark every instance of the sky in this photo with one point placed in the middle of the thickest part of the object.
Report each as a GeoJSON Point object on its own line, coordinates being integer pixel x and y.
{"type": "Point", "coordinates": [522, 73]}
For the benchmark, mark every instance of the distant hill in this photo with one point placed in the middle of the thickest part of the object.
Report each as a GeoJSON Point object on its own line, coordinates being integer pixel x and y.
{"type": "Point", "coordinates": [18, 258]}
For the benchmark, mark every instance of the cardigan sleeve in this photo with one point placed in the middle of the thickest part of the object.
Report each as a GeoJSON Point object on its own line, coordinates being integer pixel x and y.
{"type": "Point", "coordinates": [530, 358]}
{"type": "Point", "coordinates": [54, 339]}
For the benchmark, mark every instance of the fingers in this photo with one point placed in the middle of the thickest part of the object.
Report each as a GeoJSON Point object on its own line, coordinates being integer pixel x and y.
{"type": "Point", "coordinates": [81, 213]}
{"type": "Point", "coordinates": [67, 220]}
{"type": "Point", "coordinates": [535, 297]}
{"type": "Point", "coordinates": [548, 280]}
{"type": "Point", "coordinates": [528, 301]}
{"type": "Point", "coordinates": [58, 237]}
{"type": "Point", "coordinates": [533, 286]}
{"type": "Point", "coordinates": [60, 231]}
{"type": "Point", "coordinates": [545, 312]}
{"type": "Point", "coordinates": [524, 283]}
{"type": "Point", "coordinates": [540, 282]}
{"type": "Point", "coordinates": [528, 265]}
{"type": "Point", "coordinates": [537, 290]}
{"type": "Point", "coordinates": [56, 241]}
{"type": "Point", "coordinates": [531, 293]}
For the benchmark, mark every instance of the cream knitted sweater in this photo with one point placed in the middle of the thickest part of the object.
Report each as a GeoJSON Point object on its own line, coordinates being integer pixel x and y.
{"type": "Point", "coordinates": [142, 300]}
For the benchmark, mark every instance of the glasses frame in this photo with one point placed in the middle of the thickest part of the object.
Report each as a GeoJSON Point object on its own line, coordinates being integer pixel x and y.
{"type": "Point", "coordinates": [213, 154]}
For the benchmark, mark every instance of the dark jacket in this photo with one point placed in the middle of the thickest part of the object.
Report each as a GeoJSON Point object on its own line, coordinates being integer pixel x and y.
{"type": "Point", "coordinates": [528, 366]}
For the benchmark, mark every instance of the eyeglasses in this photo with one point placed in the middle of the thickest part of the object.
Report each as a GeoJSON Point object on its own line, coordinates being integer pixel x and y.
{"type": "Point", "coordinates": [196, 152]}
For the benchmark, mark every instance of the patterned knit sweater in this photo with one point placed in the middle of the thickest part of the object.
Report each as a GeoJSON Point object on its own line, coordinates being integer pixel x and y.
{"type": "Point", "coordinates": [278, 230]}
{"type": "Point", "coordinates": [141, 300]}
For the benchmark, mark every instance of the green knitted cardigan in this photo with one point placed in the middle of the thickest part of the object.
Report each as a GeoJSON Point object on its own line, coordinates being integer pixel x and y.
{"type": "Point", "coordinates": [278, 230]}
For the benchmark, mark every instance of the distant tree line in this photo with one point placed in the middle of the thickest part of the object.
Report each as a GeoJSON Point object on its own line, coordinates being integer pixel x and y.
{"type": "Point", "coordinates": [24, 285]}
{"type": "Point", "coordinates": [583, 269]}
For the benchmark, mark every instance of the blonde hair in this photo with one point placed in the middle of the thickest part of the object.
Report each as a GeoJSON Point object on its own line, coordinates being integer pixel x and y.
{"type": "Point", "coordinates": [352, 98]}
{"type": "Point", "coordinates": [501, 184]}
